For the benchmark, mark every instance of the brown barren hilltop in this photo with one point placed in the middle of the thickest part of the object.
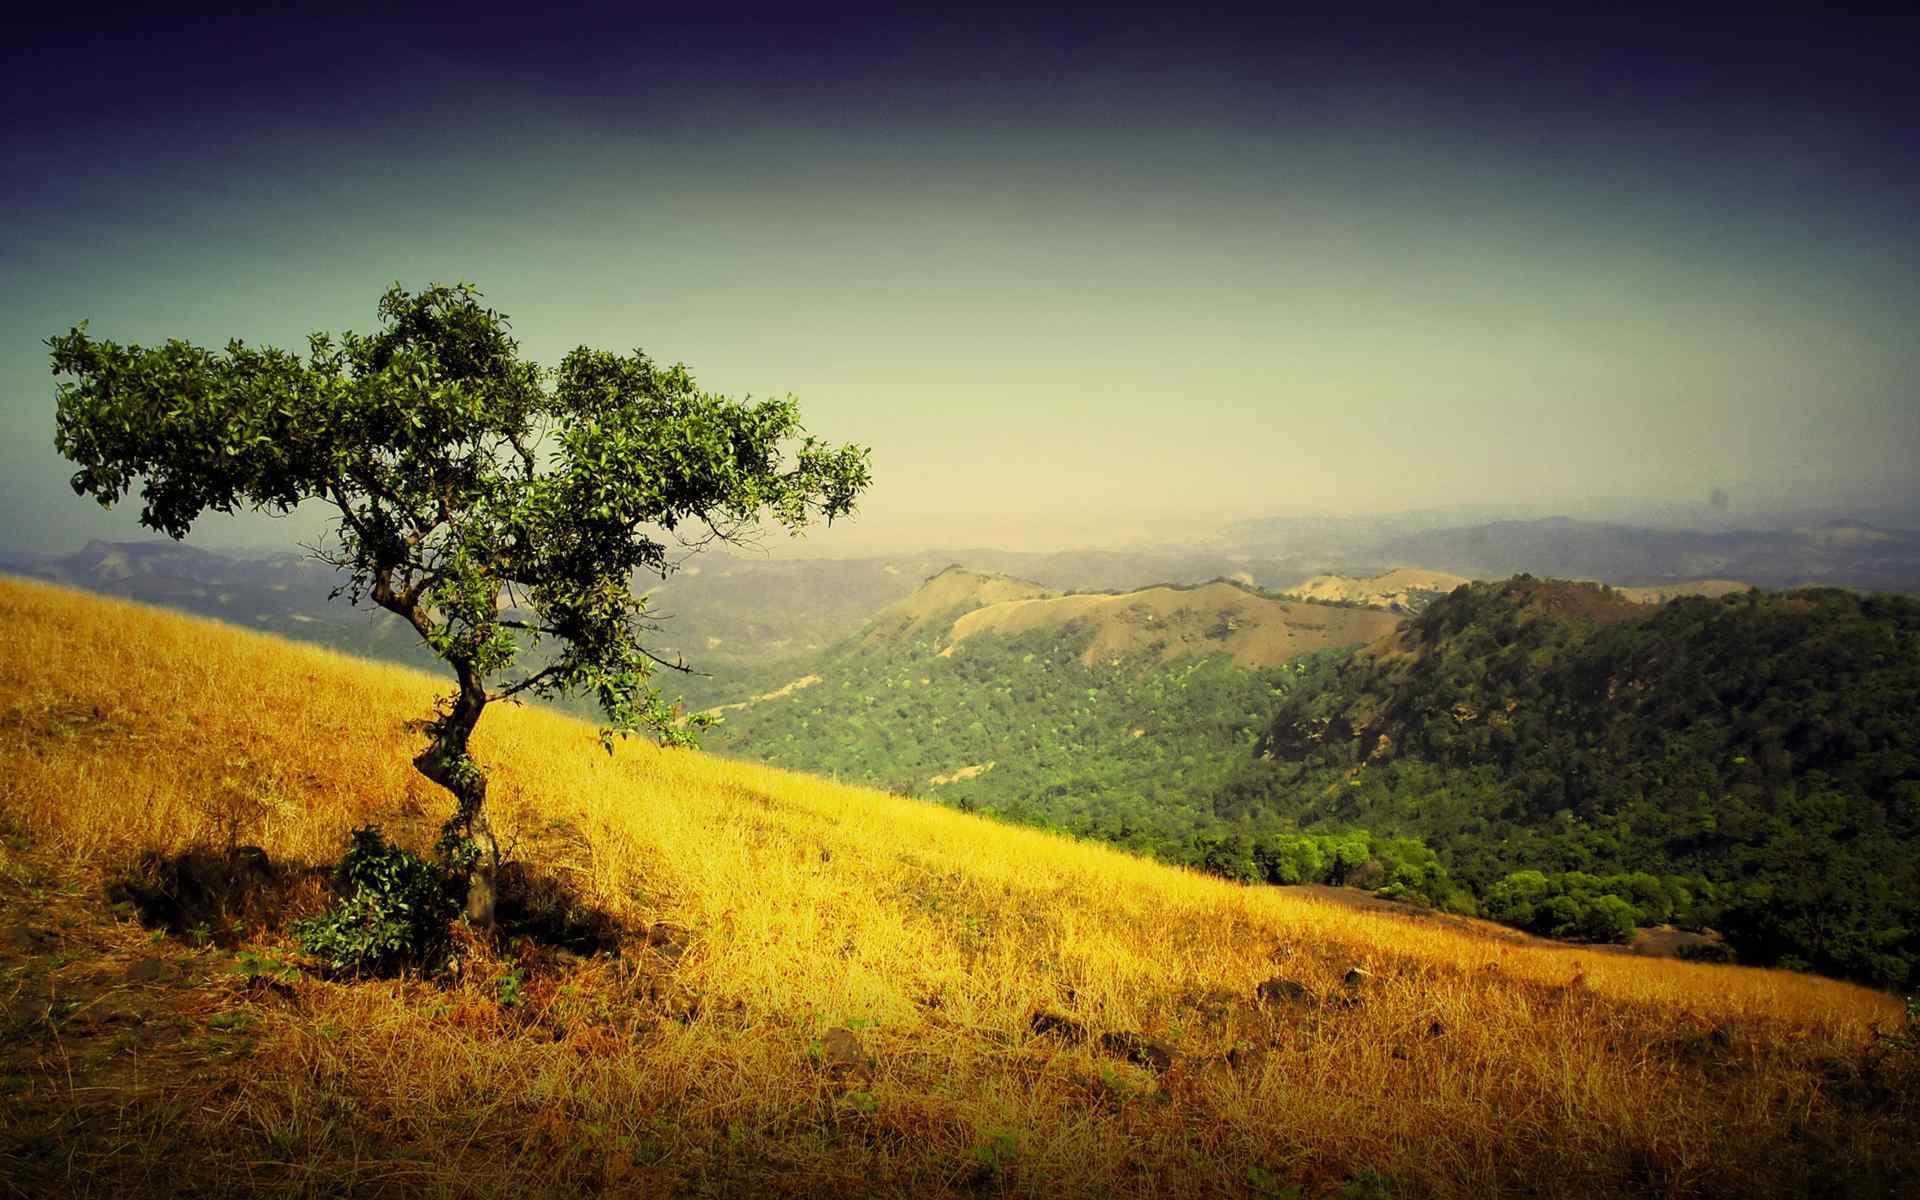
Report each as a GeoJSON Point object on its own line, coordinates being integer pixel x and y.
{"type": "Point", "coordinates": [1659, 593]}
{"type": "Point", "coordinates": [935, 603]}
{"type": "Point", "coordinates": [1395, 589]}
{"type": "Point", "coordinates": [1172, 622]}
{"type": "Point", "coordinates": [771, 985]}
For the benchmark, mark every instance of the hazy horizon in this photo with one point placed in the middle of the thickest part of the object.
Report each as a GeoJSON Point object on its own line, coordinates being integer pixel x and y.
{"type": "Point", "coordinates": [1060, 274]}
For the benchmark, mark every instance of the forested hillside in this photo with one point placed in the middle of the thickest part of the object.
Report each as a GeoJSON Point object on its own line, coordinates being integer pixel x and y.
{"type": "Point", "coordinates": [1111, 716]}
{"type": "Point", "coordinates": [1549, 754]}
{"type": "Point", "coordinates": [1020, 726]}
{"type": "Point", "coordinates": [1749, 760]}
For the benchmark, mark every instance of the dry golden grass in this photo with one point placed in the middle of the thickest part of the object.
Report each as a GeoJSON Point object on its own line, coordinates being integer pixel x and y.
{"type": "Point", "coordinates": [1468, 1067]}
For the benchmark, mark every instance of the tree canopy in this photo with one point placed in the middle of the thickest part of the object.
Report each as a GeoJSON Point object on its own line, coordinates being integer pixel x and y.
{"type": "Point", "coordinates": [494, 505]}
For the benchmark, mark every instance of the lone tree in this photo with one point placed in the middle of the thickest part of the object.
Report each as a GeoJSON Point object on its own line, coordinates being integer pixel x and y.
{"type": "Point", "coordinates": [491, 504]}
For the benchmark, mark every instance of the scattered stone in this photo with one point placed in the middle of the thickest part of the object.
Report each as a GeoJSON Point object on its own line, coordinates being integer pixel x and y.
{"type": "Point", "coordinates": [1285, 991]}
{"type": "Point", "coordinates": [1139, 1049]}
{"type": "Point", "coordinates": [1046, 1023]}
{"type": "Point", "coordinates": [1357, 977]}
{"type": "Point", "coordinates": [149, 970]}
{"type": "Point", "coordinates": [28, 940]}
{"type": "Point", "coordinates": [668, 941]}
{"type": "Point", "coordinates": [114, 1008]}
{"type": "Point", "coordinates": [1246, 1060]}
{"type": "Point", "coordinates": [841, 1051]}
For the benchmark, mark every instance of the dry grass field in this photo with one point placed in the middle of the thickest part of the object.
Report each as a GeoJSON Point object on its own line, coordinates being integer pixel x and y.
{"type": "Point", "coordinates": [819, 990]}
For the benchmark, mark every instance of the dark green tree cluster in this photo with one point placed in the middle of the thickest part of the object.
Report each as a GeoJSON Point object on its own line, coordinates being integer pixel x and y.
{"type": "Point", "coordinates": [1396, 868]}
{"type": "Point", "coordinates": [1762, 745]}
{"type": "Point", "coordinates": [1574, 904]}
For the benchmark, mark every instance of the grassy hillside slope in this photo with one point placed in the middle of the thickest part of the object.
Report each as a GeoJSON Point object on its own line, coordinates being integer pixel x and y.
{"type": "Point", "coordinates": [819, 990]}
{"type": "Point", "coordinates": [933, 606]}
{"type": "Point", "coordinates": [1166, 623]}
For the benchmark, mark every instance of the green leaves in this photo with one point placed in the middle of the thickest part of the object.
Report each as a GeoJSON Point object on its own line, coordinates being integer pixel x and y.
{"type": "Point", "coordinates": [489, 510]}
{"type": "Point", "coordinates": [396, 910]}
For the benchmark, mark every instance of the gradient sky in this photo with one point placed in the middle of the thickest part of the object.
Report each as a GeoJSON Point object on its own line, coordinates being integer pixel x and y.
{"type": "Point", "coordinates": [1056, 270]}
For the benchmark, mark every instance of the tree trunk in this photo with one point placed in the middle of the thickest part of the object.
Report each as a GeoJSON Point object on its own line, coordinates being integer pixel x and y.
{"type": "Point", "coordinates": [447, 763]}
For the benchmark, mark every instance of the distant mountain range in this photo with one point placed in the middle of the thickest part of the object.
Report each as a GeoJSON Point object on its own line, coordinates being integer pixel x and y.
{"type": "Point", "coordinates": [286, 593]}
{"type": "Point", "coordinates": [1838, 553]}
{"type": "Point", "coordinates": [728, 614]}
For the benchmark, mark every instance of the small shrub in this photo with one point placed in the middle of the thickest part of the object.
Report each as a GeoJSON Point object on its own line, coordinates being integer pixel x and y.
{"type": "Point", "coordinates": [232, 1021]}
{"type": "Point", "coordinates": [1608, 919]}
{"type": "Point", "coordinates": [510, 988]}
{"type": "Point", "coordinates": [1559, 916]}
{"type": "Point", "coordinates": [1364, 1185]}
{"type": "Point", "coordinates": [253, 967]}
{"type": "Point", "coordinates": [1908, 1040]}
{"type": "Point", "coordinates": [993, 1156]}
{"type": "Point", "coordinates": [396, 910]}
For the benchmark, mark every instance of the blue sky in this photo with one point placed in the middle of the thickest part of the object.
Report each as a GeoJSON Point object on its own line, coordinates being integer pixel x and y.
{"type": "Point", "coordinates": [1058, 270]}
